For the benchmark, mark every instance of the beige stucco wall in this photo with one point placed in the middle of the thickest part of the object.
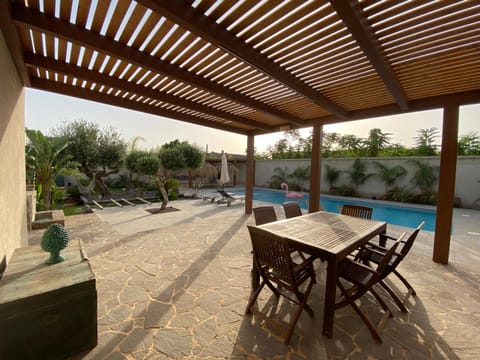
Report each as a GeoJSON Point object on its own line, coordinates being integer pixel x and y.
{"type": "Point", "coordinates": [13, 219]}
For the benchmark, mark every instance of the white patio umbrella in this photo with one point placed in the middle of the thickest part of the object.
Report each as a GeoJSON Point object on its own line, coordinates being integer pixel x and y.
{"type": "Point", "coordinates": [224, 177]}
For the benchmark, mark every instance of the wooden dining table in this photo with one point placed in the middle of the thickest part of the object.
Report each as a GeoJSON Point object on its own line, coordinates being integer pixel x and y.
{"type": "Point", "coordinates": [330, 237]}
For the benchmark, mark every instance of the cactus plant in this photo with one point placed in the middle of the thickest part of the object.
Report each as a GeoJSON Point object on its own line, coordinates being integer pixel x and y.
{"type": "Point", "coordinates": [55, 239]}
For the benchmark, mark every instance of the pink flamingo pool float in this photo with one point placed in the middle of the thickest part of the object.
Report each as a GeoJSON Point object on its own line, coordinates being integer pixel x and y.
{"type": "Point", "coordinates": [291, 194]}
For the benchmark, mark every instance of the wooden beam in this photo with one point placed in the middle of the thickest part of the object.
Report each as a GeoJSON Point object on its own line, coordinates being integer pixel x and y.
{"type": "Point", "coordinates": [86, 94]}
{"type": "Point", "coordinates": [250, 175]}
{"type": "Point", "coordinates": [352, 15]}
{"type": "Point", "coordinates": [430, 103]}
{"type": "Point", "coordinates": [99, 78]}
{"type": "Point", "coordinates": [182, 13]}
{"type": "Point", "coordinates": [59, 28]}
{"type": "Point", "coordinates": [13, 41]}
{"type": "Point", "coordinates": [446, 185]}
{"type": "Point", "coordinates": [315, 169]}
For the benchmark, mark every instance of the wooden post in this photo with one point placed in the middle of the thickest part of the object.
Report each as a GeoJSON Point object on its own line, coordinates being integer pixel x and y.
{"type": "Point", "coordinates": [250, 176]}
{"type": "Point", "coordinates": [446, 184]}
{"type": "Point", "coordinates": [315, 169]}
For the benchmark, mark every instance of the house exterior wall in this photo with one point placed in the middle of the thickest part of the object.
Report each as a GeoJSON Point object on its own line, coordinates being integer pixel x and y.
{"type": "Point", "coordinates": [467, 186]}
{"type": "Point", "coordinates": [13, 217]}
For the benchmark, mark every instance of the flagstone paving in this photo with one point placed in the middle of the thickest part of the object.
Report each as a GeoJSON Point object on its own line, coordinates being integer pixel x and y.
{"type": "Point", "coordinates": [175, 286]}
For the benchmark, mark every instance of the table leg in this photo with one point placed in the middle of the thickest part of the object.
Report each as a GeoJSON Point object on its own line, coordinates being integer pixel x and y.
{"type": "Point", "coordinates": [330, 292]}
{"type": "Point", "coordinates": [382, 241]}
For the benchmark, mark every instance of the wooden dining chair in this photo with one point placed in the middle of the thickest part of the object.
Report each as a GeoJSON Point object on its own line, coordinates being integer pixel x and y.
{"type": "Point", "coordinates": [372, 253]}
{"type": "Point", "coordinates": [359, 211]}
{"type": "Point", "coordinates": [292, 209]}
{"type": "Point", "coordinates": [356, 279]}
{"type": "Point", "coordinates": [264, 214]}
{"type": "Point", "coordinates": [280, 273]}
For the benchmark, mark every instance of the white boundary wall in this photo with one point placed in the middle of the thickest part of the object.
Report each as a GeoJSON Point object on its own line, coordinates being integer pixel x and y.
{"type": "Point", "coordinates": [467, 186]}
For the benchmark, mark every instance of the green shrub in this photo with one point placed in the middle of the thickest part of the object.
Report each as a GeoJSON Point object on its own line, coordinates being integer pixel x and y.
{"type": "Point", "coordinates": [426, 198]}
{"type": "Point", "coordinates": [116, 182]}
{"type": "Point", "coordinates": [400, 194]}
{"type": "Point", "coordinates": [73, 192]}
{"type": "Point", "coordinates": [344, 190]}
{"type": "Point", "coordinates": [172, 185]}
{"type": "Point", "coordinates": [172, 195]}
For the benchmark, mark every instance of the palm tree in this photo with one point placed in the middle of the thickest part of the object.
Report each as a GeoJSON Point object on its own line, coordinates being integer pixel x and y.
{"type": "Point", "coordinates": [332, 174]}
{"type": "Point", "coordinates": [358, 174]}
{"type": "Point", "coordinates": [425, 176]}
{"type": "Point", "coordinates": [301, 174]}
{"type": "Point", "coordinates": [280, 175]}
{"type": "Point", "coordinates": [390, 175]}
{"type": "Point", "coordinates": [47, 160]}
{"type": "Point", "coordinates": [469, 144]}
{"type": "Point", "coordinates": [425, 141]}
{"type": "Point", "coordinates": [377, 140]}
{"type": "Point", "coordinates": [328, 142]}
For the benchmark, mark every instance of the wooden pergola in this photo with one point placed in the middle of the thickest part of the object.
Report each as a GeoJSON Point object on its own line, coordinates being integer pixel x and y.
{"type": "Point", "coordinates": [255, 67]}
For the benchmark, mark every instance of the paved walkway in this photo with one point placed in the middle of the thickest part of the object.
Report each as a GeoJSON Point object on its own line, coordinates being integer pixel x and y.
{"type": "Point", "coordinates": [175, 286]}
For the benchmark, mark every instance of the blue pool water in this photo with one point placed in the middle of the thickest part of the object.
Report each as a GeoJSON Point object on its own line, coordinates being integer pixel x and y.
{"type": "Point", "coordinates": [392, 213]}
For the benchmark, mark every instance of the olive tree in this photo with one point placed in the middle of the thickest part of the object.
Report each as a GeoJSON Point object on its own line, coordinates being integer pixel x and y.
{"type": "Point", "coordinates": [142, 162]}
{"type": "Point", "coordinates": [175, 157]}
{"type": "Point", "coordinates": [100, 152]}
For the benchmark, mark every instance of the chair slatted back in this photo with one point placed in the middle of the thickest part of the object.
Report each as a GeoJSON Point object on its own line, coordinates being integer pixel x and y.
{"type": "Point", "coordinates": [292, 209]}
{"type": "Point", "coordinates": [272, 255]}
{"type": "Point", "coordinates": [406, 245]}
{"type": "Point", "coordinates": [385, 265]}
{"type": "Point", "coordinates": [382, 268]}
{"type": "Point", "coordinates": [359, 211]}
{"type": "Point", "coordinates": [264, 214]}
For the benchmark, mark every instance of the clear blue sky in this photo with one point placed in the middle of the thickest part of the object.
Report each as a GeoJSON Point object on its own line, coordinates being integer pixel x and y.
{"type": "Point", "coordinates": [45, 111]}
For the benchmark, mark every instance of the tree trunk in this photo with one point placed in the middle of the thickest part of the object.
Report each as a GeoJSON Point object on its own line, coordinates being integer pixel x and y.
{"type": "Point", "coordinates": [99, 184]}
{"type": "Point", "coordinates": [189, 178]}
{"type": "Point", "coordinates": [102, 187]}
{"type": "Point", "coordinates": [164, 197]}
{"type": "Point", "coordinates": [161, 181]}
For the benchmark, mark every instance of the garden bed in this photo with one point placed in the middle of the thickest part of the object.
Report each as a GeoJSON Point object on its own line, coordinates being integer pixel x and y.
{"type": "Point", "coordinates": [44, 219]}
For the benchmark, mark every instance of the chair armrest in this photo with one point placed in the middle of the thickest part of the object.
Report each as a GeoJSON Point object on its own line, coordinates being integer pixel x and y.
{"type": "Point", "coordinates": [380, 250]}
{"type": "Point", "coordinates": [388, 237]}
{"type": "Point", "coordinates": [305, 263]}
{"type": "Point", "coordinates": [375, 246]}
{"type": "Point", "coordinates": [358, 265]}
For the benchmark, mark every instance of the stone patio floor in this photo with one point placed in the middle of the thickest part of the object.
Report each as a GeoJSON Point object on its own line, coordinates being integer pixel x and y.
{"type": "Point", "coordinates": [175, 286]}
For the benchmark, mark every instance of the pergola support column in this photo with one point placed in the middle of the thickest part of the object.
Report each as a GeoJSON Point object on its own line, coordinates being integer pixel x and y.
{"type": "Point", "coordinates": [315, 169]}
{"type": "Point", "coordinates": [250, 175]}
{"type": "Point", "coordinates": [446, 184]}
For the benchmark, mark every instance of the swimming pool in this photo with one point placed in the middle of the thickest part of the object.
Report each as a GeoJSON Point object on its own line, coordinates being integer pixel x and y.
{"type": "Point", "coordinates": [392, 213]}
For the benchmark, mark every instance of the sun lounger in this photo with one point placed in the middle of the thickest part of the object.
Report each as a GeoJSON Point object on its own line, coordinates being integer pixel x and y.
{"type": "Point", "coordinates": [211, 196]}
{"type": "Point", "coordinates": [228, 198]}
{"type": "Point", "coordinates": [214, 196]}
